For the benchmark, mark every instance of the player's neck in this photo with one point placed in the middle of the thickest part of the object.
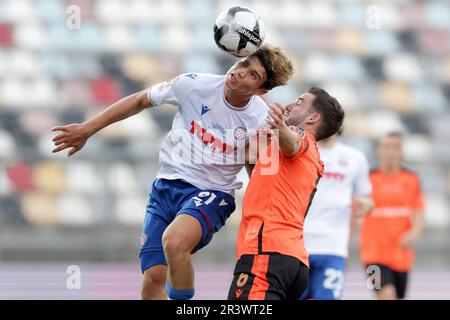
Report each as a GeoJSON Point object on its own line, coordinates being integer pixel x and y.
{"type": "Point", "coordinates": [390, 168]}
{"type": "Point", "coordinates": [327, 143]}
{"type": "Point", "coordinates": [236, 100]}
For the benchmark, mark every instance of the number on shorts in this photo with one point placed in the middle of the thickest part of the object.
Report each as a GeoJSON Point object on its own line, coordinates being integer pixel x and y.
{"type": "Point", "coordinates": [334, 280]}
{"type": "Point", "coordinates": [198, 201]}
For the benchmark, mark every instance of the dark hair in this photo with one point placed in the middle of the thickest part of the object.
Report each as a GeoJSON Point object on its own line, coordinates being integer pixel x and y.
{"type": "Point", "coordinates": [331, 113]}
{"type": "Point", "coordinates": [278, 67]}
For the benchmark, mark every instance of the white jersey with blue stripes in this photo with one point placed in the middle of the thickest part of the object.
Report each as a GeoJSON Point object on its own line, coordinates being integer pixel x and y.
{"type": "Point", "coordinates": [205, 146]}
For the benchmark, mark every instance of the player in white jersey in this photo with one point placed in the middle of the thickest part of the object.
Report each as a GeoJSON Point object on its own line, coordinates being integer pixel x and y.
{"type": "Point", "coordinates": [343, 190]}
{"type": "Point", "coordinates": [193, 193]}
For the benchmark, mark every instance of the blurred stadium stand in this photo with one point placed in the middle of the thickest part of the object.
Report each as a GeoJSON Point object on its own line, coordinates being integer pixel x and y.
{"type": "Point", "coordinates": [91, 207]}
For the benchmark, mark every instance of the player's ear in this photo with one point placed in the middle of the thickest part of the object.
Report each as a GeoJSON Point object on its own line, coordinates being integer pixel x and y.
{"type": "Point", "coordinates": [314, 117]}
{"type": "Point", "coordinates": [261, 91]}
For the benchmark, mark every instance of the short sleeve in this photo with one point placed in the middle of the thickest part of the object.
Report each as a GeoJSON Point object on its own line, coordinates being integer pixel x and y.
{"type": "Point", "coordinates": [170, 92]}
{"type": "Point", "coordinates": [305, 140]}
{"type": "Point", "coordinates": [362, 185]}
{"type": "Point", "coordinates": [419, 203]}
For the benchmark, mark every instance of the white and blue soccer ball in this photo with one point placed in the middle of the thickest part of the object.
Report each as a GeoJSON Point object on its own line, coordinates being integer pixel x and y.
{"type": "Point", "coordinates": [239, 31]}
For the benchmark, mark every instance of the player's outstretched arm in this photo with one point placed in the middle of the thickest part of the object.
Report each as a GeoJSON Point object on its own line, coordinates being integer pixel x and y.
{"type": "Point", "coordinates": [289, 142]}
{"type": "Point", "coordinates": [75, 135]}
{"type": "Point", "coordinates": [361, 205]}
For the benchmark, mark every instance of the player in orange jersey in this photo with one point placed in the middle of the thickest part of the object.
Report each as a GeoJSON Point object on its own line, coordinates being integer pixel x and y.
{"type": "Point", "coordinates": [389, 232]}
{"type": "Point", "coordinates": [272, 260]}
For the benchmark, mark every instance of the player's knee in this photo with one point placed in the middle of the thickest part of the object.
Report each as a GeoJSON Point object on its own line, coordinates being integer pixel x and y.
{"type": "Point", "coordinates": [175, 244]}
{"type": "Point", "coordinates": [153, 286]}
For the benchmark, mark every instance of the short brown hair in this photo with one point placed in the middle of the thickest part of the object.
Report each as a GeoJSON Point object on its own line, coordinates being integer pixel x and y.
{"type": "Point", "coordinates": [279, 68]}
{"type": "Point", "coordinates": [331, 113]}
{"type": "Point", "coordinates": [390, 134]}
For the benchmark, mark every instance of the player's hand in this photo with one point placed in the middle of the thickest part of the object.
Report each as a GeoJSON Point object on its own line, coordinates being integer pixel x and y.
{"type": "Point", "coordinates": [72, 136]}
{"type": "Point", "coordinates": [408, 240]}
{"type": "Point", "coordinates": [276, 112]}
{"type": "Point", "coordinates": [264, 136]}
{"type": "Point", "coordinates": [258, 140]}
{"type": "Point", "coordinates": [361, 206]}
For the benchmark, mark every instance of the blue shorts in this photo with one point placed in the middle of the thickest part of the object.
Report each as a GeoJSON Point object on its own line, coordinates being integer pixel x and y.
{"type": "Point", "coordinates": [168, 199]}
{"type": "Point", "coordinates": [326, 277]}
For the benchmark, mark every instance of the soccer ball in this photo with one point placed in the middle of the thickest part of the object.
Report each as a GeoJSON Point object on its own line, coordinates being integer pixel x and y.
{"type": "Point", "coordinates": [239, 31]}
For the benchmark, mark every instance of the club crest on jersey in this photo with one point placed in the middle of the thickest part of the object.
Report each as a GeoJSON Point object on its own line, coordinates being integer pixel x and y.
{"type": "Point", "coordinates": [143, 240]}
{"type": "Point", "coordinates": [193, 76]}
{"type": "Point", "coordinates": [205, 109]}
{"type": "Point", "coordinates": [298, 130]}
{"type": "Point", "coordinates": [240, 133]}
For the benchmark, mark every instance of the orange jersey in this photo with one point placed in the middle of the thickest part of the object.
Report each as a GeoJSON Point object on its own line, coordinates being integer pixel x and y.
{"type": "Point", "coordinates": [275, 204]}
{"type": "Point", "coordinates": [397, 198]}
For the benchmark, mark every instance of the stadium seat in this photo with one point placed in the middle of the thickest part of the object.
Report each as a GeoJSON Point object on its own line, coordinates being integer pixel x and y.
{"type": "Point", "coordinates": [321, 40]}
{"type": "Point", "coordinates": [104, 91]}
{"type": "Point", "coordinates": [22, 63]}
{"type": "Point", "coordinates": [5, 186]}
{"type": "Point", "coordinates": [145, 174]}
{"type": "Point", "coordinates": [139, 67]}
{"type": "Point", "coordinates": [7, 145]}
{"type": "Point", "coordinates": [49, 11]}
{"type": "Point", "coordinates": [318, 67]}
{"type": "Point", "coordinates": [37, 122]}
{"type": "Point", "coordinates": [30, 36]}
{"type": "Point", "coordinates": [417, 148]}
{"type": "Point", "coordinates": [350, 40]}
{"type": "Point", "coordinates": [130, 210]}
{"type": "Point", "coordinates": [49, 177]}
{"type": "Point", "coordinates": [434, 42]}
{"type": "Point", "coordinates": [141, 11]}
{"type": "Point", "coordinates": [148, 38]}
{"type": "Point", "coordinates": [381, 122]}
{"type": "Point", "coordinates": [121, 178]}
{"type": "Point", "coordinates": [84, 178]}
{"type": "Point", "coordinates": [396, 96]}
{"type": "Point", "coordinates": [437, 13]}
{"type": "Point", "coordinates": [347, 68]}
{"type": "Point", "coordinates": [19, 11]}
{"type": "Point", "coordinates": [74, 210]}
{"type": "Point", "coordinates": [438, 204]}
{"type": "Point", "coordinates": [20, 177]}
{"type": "Point", "coordinates": [381, 42]}
{"type": "Point", "coordinates": [345, 93]}
{"type": "Point", "coordinates": [10, 211]}
{"type": "Point", "coordinates": [6, 35]}
{"type": "Point", "coordinates": [320, 14]}
{"type": "Point", "coordinates": [428, 96]}
{"type": "Point", "coordinates": [75, 93]}
{"type": "Point", "coordinates": [200, 62]}
{"type": "Point", "coordinates": [352, 14]}
{"type": "Point", "coordinates": [119, 38]}
{"type": "Point", "coordinates": [403, 68]}
{"type": "Point", "coordinates": [39, 209]}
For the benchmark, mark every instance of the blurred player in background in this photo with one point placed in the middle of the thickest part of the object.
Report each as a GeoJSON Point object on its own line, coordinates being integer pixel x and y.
{"type": "Point", "coordinates": [193, 193]}
{"type": "Point", "coordinates": [272, 261]}
{"type": "Point", "coordinates": [343, 190]}
{"type": "Point", "coordinates": [389, 232]}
